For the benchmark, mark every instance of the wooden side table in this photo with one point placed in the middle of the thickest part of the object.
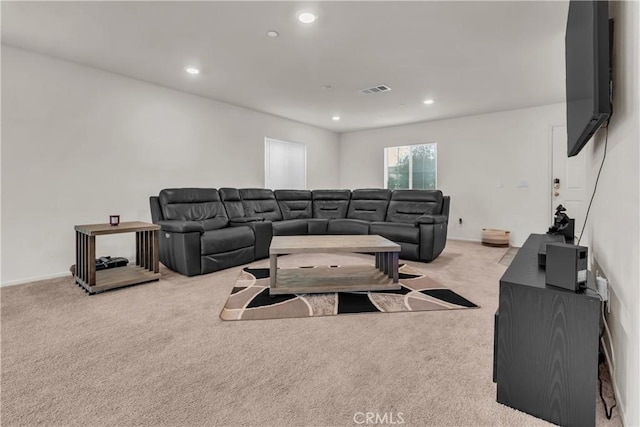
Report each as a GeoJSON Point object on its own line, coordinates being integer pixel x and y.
{"type": "Point", "coordinates": [147, 266]}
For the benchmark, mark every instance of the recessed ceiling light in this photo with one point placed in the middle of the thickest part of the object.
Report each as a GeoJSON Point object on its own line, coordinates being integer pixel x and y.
{"type": "Point", "coordinates": [326, 87]}
{"type": "Point", "coordinates": [335, 118]}
{"type": "Point", "coordinates": [192, 70]}
{"type": "Point", "coordinates": [307, 17]}
{"type": "Point", "coordinates": [428, 101]}
{"type": "Point", "coordinates": [272, 33]}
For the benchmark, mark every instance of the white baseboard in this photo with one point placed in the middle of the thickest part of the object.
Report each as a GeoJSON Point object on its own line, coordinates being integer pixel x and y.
{"type": "Point", "coordinates": [619, 405]}
{"type": "Point", "coordinates": [35, 279]}
{"type": "Point", "coordinates": [607, 347]}
{"type": "Point", "coordinates": [464, 239]}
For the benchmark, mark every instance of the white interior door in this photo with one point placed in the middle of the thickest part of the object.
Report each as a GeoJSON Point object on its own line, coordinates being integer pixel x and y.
{"type": "Point", "coordinates": [285, 165]}
{"type": "Point", "coordinates": [571, 174]}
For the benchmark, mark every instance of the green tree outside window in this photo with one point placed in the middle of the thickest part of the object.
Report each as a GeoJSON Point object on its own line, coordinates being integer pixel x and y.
{"type": "Point", "coordinates": [411, 167]}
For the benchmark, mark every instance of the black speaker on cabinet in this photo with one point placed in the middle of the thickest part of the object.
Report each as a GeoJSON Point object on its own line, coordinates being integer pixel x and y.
{"type": "Point", "coordinates": [566, 266]}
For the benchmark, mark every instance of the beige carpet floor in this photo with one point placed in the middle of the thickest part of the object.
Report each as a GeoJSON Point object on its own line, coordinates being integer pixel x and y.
{"type": "Point", "coordinates": [158, 354]}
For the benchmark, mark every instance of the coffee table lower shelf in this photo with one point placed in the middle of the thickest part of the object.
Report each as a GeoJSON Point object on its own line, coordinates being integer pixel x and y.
{"type": "Point", "coordinates": [117, 277]}
{"type": "Point", "coordinates": [321, 279]}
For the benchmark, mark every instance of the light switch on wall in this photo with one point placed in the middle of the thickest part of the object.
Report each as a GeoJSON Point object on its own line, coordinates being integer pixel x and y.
{"type": "Point", "coordinates": [523, 184]}
{"type": "Point", "coordinates": [499, 184]}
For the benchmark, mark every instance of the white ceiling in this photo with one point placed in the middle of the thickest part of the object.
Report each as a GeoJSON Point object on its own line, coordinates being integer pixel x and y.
{"type": "Point", "coordinates": [470, 57]}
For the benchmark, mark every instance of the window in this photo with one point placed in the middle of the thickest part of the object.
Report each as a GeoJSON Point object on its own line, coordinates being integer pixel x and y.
{"type": "Point", "coordinates": [285, 165]}
{"type": "Point", "coordinates": [411, 167]}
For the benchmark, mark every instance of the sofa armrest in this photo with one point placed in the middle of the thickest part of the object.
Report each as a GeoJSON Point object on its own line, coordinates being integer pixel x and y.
{"type": "Point", "coordinates": [181, 226]}
{"type": "Point", "coordinates": [430, 219]}
{"type": "Point", "coordinates": [245, 219]}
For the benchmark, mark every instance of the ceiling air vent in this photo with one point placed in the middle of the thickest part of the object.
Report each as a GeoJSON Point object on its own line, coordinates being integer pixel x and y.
{"type": "Point", "coordinates": [376, 89]}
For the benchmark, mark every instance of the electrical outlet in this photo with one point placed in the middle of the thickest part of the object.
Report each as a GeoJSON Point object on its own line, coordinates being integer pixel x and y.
{"type": "Point", "coordinates": [603, 288]}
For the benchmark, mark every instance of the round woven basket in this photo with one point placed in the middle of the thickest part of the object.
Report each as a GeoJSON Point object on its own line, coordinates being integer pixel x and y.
{"type": "Point", "coordinates": [495, 238]}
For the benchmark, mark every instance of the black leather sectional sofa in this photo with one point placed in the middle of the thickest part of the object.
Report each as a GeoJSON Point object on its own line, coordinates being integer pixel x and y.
{"type": "Point", "coordinates": [206, 229]}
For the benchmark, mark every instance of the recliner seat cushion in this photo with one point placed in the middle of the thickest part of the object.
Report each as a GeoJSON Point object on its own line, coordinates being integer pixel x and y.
{"type": "Point", "coordinates": [407, 205]}
{"type": "Point", "coordinates": [226, 239]}
{"type": "Point", "coordinates": [294, 204]}
{"type": "Point", "coordinates": [397, 232]}
{"type": "Point", "coordinates": [317, 225]}
{"type": "Point", "coordinates": [260, 202]}
{"type": "Point", "coordinates": [348, 226]}
{"type": "Point", "coordinates": [290, 227]}
{"type": "Point", "coordinates": [194, 204]}
{"type": "Point", "coordinates": [329, 204]}
{"type": "Point", "coordinates": [369, 204]}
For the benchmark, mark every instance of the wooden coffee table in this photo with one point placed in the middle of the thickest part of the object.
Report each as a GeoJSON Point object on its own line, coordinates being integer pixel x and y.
{"type": "Point", "coordinates": [348, 278]}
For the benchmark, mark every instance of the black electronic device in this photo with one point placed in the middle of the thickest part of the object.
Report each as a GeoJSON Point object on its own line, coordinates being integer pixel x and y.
{"type": "Point", "coordinates": [542, 249]}
{"type": "Point", "coordinates": [563, 225]}
{"type": "Point", "coordinates": [570, 230]}
{"type": "Point", "coordinates": [588, 70]}
{"type": "Point", "coordinates": [105, 262]}
{"type": "Point", "coordinates": [566, 266]}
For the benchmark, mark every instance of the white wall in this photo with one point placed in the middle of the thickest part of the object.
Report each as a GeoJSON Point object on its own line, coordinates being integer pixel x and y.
{"type": "Point", "coordinates": [614, 234]}
{"type": "Point", "coordinates": [474, 154]}
{"type": "Point", "coordinates": [79, 144]}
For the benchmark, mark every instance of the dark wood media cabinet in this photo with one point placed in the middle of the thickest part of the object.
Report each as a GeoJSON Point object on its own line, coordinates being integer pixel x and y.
{"type": "Point", "coordinates": [546, 343]}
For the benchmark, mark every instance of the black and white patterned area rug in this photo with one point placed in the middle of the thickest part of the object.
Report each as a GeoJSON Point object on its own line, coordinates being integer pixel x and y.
{"type": "Point", "coordinates": [250, 299]}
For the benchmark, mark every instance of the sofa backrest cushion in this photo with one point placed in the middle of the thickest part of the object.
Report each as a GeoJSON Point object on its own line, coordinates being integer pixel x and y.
{"type": "Point", "coordinates": [232, 202]}
{"type": "Point", "coordinates": [260, 202]}
{"type": "Point", "coordinates": [330, 204]}
{"type": "Point", "coordinates": [407, 205]}
{"type": "Point", "coordinates": [294, 204]}
{"type": "Point", "coordinates": [194, 204]}
{"type": "Point", "coordinates": [369, 204]}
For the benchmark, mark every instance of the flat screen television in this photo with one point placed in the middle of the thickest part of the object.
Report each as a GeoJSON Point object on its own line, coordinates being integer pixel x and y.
{"type": "Point", "coordinates": [588, 76]}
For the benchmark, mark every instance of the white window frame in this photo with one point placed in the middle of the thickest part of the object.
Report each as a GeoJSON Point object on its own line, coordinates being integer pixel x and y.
{"type": "Point", "coordinates": [267, 154]}
{"type": "Point", "coordinates": [386, 163]}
